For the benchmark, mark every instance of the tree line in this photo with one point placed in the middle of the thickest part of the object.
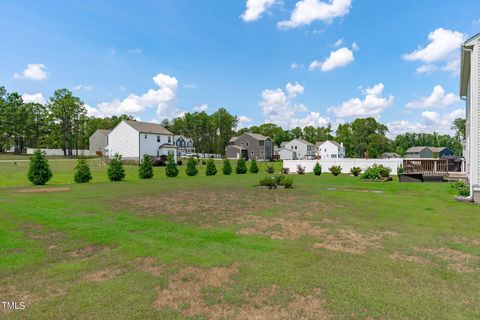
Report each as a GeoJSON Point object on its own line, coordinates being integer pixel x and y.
{"type": "Point", "coordinates": [62, 122]}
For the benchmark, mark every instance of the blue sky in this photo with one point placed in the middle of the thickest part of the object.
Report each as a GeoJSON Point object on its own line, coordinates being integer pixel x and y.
{"type": "Point", "coordinates": [298, 62]}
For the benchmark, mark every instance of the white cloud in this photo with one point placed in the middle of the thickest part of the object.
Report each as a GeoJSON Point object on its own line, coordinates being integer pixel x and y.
{"type": "Point", "coordinates": [35, 98]}
{"type": "Point", "coordinates": [294, 89]}
{"type": "Point", "coordinates": [278, 108]}
{"type": "Point", "coordinates": [443, 48]}
{"type": "Point", "coordinates": [189, 86]}
{"type": "Point", "coordinates": [338, 43]}
{"type": "Point", "coordinates": [201, 108]}
{"type": "Point", "coordinates": [339, 58]}
{"type": "Point", "coordinates": [163, 99]}
{"type": "Point", "coordinates": [82, 87]}
{"type": "Point", "coordinates": [438, 98]}
{"type": "Point", "coordinates": [33, 71]}
{"type": "Point", "coordinates": [294, 66]}
{"type": "Point", "coordinates": [244, 119]}
{"type": "Point", "coordinates": [432, 122]}
{"type": "Point", "coordinates": [255, 9]}
{"type": "Point", "coordinates": [355, 46]}
{"type": "Point", "coordinates": [135, 51]}
{"type": "Point", "coordinates": [371, 106]}
{"type": "Point", "coordinates": [308, 11]}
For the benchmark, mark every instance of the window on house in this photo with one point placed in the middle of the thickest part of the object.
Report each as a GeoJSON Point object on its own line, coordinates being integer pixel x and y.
{"type": "Point", "coordinates": [252, 153]}
{"type": "Point", "coordinates": [261, 151]}
{"type": "Point", "coordinates": [145, 136]}
{"type": "Point", "coordinates": [169, 139]}
{"type": "Point", "coordinates": [158, 138]}
{"type": "Point", "coordinates": [295, 147]}
{"type": "Point", "coordinates": [241, 143]}
{"type": "Point", "coordinates": [247, 144]}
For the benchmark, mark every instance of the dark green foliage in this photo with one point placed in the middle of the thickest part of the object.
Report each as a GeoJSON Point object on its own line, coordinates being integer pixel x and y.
{"type": "Point", "coordinates": [400, 169]}
{"type": "Point", "coordinates": [191, 167]}
{"type": "Point", "coordinates": [39, 172]}
{"type": "Point", "coordinates": [227, 167]}
{"type": "Point", "coordinates": [335, 170]}
{"type": "Point", "coordinates": [115, 170]}
{"type": "Point", "coordinates": [204, 162]}
{"type": "Point", "coordinates": [241, 166]}
{"type": "Point", "coordinates": [272, 182]}
{"type": "Point", "coordinates": [82, 171]}
{"type": "Point", "coordinates": [211, 168]}
{"type": "Point", "coordinates": [179, 162]}
{"type": "Point", "coordinates": [355, 171]}
{"type": "Point", "coordinates": [254, 166]}
{"type": "Point", "coordinates": [461, 188]}
{"type": "Point", "coordinates": [376, 173]}
{"type": "Point", "coordinates": [270, 169]}
{"type": "Point", "coordinates": [145, 170]}
{"type": "Point", "coordinates": [171, 169]}
{"type": "Point", "coordinates": [317, 170]}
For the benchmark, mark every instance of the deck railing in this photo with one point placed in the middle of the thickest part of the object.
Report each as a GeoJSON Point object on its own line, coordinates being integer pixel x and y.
{"type": "Point", "coordinates": [428, 167]}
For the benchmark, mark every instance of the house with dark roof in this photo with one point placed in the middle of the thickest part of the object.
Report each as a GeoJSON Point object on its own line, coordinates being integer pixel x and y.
{"type": "Point", "coordinates": [329, 150]}
{"type": "Point", "coordinates": [428, 153]}
{"type": "Point", "coordinates": [250, 146]}
{"type": "Point", "coordinates": [133, 139]}
{"type": "Point", "coordinates": [98, 141]}
{"type": "Point", "coordinates": [184, 146]}
{"type": "Point", "coordinates": [390, 155]}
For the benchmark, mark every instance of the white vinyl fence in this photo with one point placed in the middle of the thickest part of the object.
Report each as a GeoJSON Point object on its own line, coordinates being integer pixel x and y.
{"type": "Point", "coordinates": [59, 152]}
{"type": "Point", "coordinates": [346, 164]}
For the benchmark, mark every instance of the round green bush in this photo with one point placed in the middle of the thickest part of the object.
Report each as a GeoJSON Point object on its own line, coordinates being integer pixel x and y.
{"type": "Point", "coordinates": [115, 170]}
{"type": "Point", "coordinates": [171, 169]}
{"type": "Point", "coordinates": [211, 168]}
{"type": "Point", "coordinates": [335, 170]}
{"type": "Point", "coordinates": [39, 172]}
{"type": "Point", "coordinates": [241, 166]}
{"type": "Point", "coordinates": [227, 167]}
{"type": "Point", "coordinates": [254, 166]}
{"type": "Point", "coordinates": [145, 169]}
{"type": "Point", "coordinates": [191, 167]}
{"type": "Point", "coordinates": [355, 171]}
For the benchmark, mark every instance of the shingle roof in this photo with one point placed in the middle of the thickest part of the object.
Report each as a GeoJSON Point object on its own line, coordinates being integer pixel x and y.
{"type": "Point", "coordinates": [233, 139]}
{"type": "Point", "coordinates": [104, 131]}
{"type": "Point", "coordinates": [318, 144]}
{"type": "Point", "coordinates": [257, 136]}
{"type": "Point", "coordinates": [436, 149]}
{"type": "Point", "coordinates": [147, 127]}
{"type": "Point", "coordinates": [304, 142]}
{"type": "Point", "coordinates": [415, 149]}
{"type": "Point", "coordinates": [236, 147]}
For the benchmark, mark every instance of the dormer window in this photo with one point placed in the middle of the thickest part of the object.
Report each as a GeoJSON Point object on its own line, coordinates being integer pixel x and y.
{"type": "Point", "coordinates": [158, 138]}
{"type": "Point", "coordinates": [169, 139]}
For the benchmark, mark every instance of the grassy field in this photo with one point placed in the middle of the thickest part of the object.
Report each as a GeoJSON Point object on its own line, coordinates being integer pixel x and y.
{"type": "Point", "coordinates": [220, 248]}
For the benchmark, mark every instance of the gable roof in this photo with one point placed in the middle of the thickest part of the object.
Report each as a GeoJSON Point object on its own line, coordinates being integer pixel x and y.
{"type": "Point", "coordinates": [257, 136]}
{"type": "Point", "coordinates": [103, 131]}
{"type": "Point", "coordinates": [233, 139]}
{"type": "Point", "coordinates": [415, 149]}
{"type": "Point", "coordinates": [318, 144]}
{"type": "Point", "coordinates": [465, 63]}
{"type": "Point", "coordinates": [181, 136]}
{"type": "Point", "coordinates": [304, 142]}
{"type": "Point", "coordinates": [147, 127]}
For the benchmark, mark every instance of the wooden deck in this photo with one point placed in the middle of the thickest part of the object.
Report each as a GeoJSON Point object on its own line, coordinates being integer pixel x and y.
{"type": "Point", "coordinates": [427, 167]}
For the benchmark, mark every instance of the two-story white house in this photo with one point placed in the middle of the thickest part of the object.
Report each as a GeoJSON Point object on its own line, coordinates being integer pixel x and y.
{"type": "Point", "coordinates": [297, 149]}
{"type": "Point", "coordinates": [470, 92]}
{"type": "Point", "coordinates": [133, 139]}
{"type": "Point", "coordinates": [329, 150]}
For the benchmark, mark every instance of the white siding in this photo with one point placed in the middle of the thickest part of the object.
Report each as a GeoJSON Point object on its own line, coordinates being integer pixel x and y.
{"type": "Point", "coordinates": [300, 149]}
{"type": "Point", "coordinates": [329, 150]}
{"type": "Point", "coordinates": [346, 164]}
{"type": "Point", "coordinates": [286, 154]}
{"type": "Point", "coordinates": [98, 142]}
{"type": "Point", "coordinates": [124, 141]}
{"type": "Point", "coordinates": [149, 144]}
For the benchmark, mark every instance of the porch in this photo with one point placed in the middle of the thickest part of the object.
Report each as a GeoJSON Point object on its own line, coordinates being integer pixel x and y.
{"type": "Point", "coordinates": [433, 170]}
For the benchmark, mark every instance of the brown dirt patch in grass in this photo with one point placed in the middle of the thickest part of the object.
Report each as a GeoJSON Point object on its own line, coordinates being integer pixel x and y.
{"type": "Point", "coordinates": [103, 275]}
{"type": "Point", "coordinates": [184, 295]}
{"type": "Point", "coordinates": [409, 258]}
{"type": "Point", "coordinates": [89, 251]}
{"type": "Point", "coordinates": [14, 293]}
{"type": "Point", "coordinates": [351, 241]}
{"type": "Point", "coordinates": [42, 190]}
{"type": "Point", "coordinates": [149, 265]}
{"type": "Point", "coordinates": [457, 261]}
{"type": "Point", "coordinates": [279, 228]}
{"type": "Point", "coordinates": [469, 241]}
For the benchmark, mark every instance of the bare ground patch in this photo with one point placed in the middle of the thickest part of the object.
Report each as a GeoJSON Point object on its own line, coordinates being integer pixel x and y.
{"type": "Point", "coordinates": [14, 293]}
{"type": "Point", "coordinates": [410, 258]}
{"type": "Point", "coordinates": [89, 251]}
{"type": "Point", "coordinates": [457, 260]}
{"type": "Point", "coordinates": [184, 295]}
{"type": "Point", "coordinates": [103, 275]}
{"type": "Point", "coordinates": [149, 265]}
{"type": "Point", "coordinates": [42, 190]}
{"type": "Point", "coordinates": [351, 241]}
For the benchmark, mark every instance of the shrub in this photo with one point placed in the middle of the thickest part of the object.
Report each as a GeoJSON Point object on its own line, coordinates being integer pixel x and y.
{"type": "Point", "coordinates": [145, 169]}
{"type": "Point", "coordinates": [461, 188]}
{"type": "Point", "coordinates": [376, 173]}
{"type": "Point", "coordinates": [171, 170]}
{"type": "Point", "coordinates": [191, 167]}
{"type": "Point", "coordinates": [241, 166]}
{"type": "Point", "coordinates": [400, 170]}
{"type": "Point", "coordinates": [269, 182]}
{"type": "Point", "coordinates": [355, 171]}
{"type": "Point", "coordinates": [82, 171]}
{"type": "Point", "coordinates": [211, 168]}
{"type": "Point", "coordinates": [227, 167]}
{"type": "Point", "coordinates": [179, 162]}
{"type": "Point", "coordinates": [286, 170]}
{"type": "Point", "coordinates": [39, 172]}
{"type": "Point", "coordinates": [317, 170]}
{"type": "Point", "coordinates": [335, 170]}
{"type": "Point", "coordinates": [300, 169]}
{"type": "Point", "coordinates": [270, 169]}
{"type": "Point", "coordinates": [158, 163]}
{"type": "Point", "coordinates": [287, 182]}
{"type": "Point", "coordinates": [254, 166]}
{"type": "Point", "coordinates": [115, 169]}
{"type": "Point", "coordinates": [204, 162]}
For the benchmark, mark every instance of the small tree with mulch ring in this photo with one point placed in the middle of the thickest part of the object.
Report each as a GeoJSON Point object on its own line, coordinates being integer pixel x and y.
{"type": "Point", "coordinates": [82, 171]}
{"type": "Point", "coordinates": [39, 172]}
{"type": "Point", "coordinates": [171, 169]}
{"type": "Point", "coordinates": [145, 169]}
{"type": "Point", "coordinates": [115, 170]}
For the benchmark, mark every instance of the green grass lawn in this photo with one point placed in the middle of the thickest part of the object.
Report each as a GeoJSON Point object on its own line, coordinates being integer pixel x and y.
{"type": "Point", "coordinates": [220, 248]}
